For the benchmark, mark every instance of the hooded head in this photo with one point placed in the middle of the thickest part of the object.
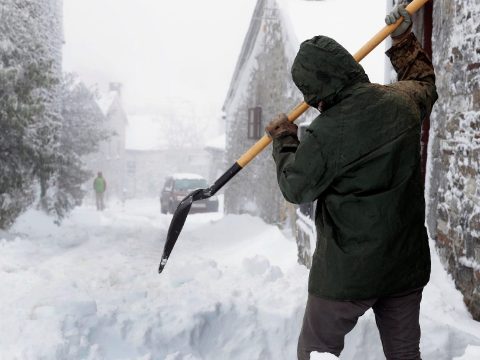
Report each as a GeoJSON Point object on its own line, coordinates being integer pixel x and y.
{"type": "Point", "coordinates": [323, 68]}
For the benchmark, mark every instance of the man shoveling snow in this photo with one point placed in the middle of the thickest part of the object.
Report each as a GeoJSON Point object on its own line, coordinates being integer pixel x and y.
{"type": "Point", "coordinates": [360, 160]}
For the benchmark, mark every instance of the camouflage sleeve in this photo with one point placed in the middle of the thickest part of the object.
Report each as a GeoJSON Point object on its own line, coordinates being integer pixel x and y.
{"type": "Point", "coordinates": [415, 71]}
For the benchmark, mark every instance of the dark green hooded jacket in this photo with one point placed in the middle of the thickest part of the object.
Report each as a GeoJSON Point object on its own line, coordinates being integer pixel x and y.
{"type": "Point", "coordinates": [360, 159]}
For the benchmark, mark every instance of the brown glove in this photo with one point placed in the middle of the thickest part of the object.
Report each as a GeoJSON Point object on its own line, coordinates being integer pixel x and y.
{"type": "Point", "coordinates": [280, 126]}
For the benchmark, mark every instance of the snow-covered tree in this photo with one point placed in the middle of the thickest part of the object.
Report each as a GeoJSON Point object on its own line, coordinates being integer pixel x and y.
{"type": "Point", "coordinates": [184, 127]}
{"type": "Point", "coordinates": [80, 134]}
{"type": "Point", "coordinates": [47, 18]}
{"type": "Point", "coordinates": [25, 80]}
{"type": "Point", "coordinates": [41, 127]}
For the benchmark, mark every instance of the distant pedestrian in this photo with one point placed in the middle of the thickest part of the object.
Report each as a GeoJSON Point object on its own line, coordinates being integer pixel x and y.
{"type": "Point", "coordinates": [100, 185]}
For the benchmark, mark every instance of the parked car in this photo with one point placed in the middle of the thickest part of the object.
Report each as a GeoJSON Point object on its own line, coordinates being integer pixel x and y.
{"type": "Point", "coordinates": [177, 186]}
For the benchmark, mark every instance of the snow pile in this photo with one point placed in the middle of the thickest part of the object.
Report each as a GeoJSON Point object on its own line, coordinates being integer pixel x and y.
{"type": "Point", "coordinates": [187, 176]}
{"type": "Point", "coordinates": [106, 100]}
{"type": "Point", "coordinates": [322, 356]}
{"type": "Point", "coordinates": [472, 352]}
{"type": "Point", "coordinates": [228, 290]}
{"type": "Point", "coordinates": [231, 290]}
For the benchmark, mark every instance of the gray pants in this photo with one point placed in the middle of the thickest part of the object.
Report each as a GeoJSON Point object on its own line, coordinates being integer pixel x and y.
{"type": "Point", "coordinates": [99, 197]}
{"type": "Point", "coordinates": [326, 322]}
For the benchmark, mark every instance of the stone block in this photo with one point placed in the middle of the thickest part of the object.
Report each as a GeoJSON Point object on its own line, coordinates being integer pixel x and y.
{"type": "Point", "coordinates": [443, 239]}
{"type": "Point", "coordinates": [474, 223]}
{"type": "Point", "coordinates": [457, 130]}
{"type": "Point", "coordinates": [473, 305]}
{"type": "Point", "coordinates": [473, 66]}
{"type": "Point", "coordinates": [442, 219]}
{"type": "Point", "coordinates": [453, 123]}
{"type": "Point", "coordinates": [476, 104]}
{"type": "Point", "coordinates": [467, 171]}
{"type": "Point", "coordinates": [464, 278]}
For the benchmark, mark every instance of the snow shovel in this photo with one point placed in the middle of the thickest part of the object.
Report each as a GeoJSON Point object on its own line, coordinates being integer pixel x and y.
{"type": "Point", "coordinates": [183, 208]}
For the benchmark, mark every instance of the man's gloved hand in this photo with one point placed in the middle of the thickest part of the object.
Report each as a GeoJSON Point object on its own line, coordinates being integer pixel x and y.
{"type": "Point", "coordinates": [280, 126]}
{"type": "Point", "coordinates": [405, 27]}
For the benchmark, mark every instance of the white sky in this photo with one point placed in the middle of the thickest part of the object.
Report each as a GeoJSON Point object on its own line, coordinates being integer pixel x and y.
{"type": "Point", "coordinates": [158, 49]}
{"type": "Point", "coordinates": [180, 50]}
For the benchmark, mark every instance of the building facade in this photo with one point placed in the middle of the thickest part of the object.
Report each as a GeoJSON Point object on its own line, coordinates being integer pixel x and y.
{"type": "Point", "coordinates": [146, 170]}
{"type": "Point", "coordinates": [261, 87]}
{"type": "Point", "coordinates": [216, 151]}
{"type": "Point", "coordinates": [453, 181]}
{"type": "Point", "coordinates": [152, 155]}
{"type": "Point", "coordinates": [450, 33]}
{"type": "Point", "coordinates": [111, 157]}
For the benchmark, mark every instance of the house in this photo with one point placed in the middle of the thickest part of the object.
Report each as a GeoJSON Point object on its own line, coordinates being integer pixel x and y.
{"type": "Point", "coordinates": [450, 31]}
{"type": "Point", "coordinates": [451, 140]}
{"type": "Point", "coordinates": [151, 157]}
{"type": "Point", "coordinates": [261, 87]}
{"type": "Point", "coordinates": [216, 150]}
{"type": "Point", "coordinates": [110, 159]}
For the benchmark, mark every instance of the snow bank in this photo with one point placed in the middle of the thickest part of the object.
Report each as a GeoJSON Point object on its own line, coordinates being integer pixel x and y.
{"type": "Point", "coordinates": [322, 356]}
{"type": "Point", "coordinates": [231, 290]}
{"type": "Point", "coordinates": [225, 293]}
{"type": "Point", "coordinates": [472, 352]}
{"type": "Point", "coordinates": [187, 176]}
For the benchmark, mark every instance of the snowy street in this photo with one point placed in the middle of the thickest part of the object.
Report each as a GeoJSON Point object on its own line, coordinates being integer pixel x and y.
{"type": "Point", "coordinates": [90, 289]}
{"type": "Point", "coordinates": [232, 290]}
{"type": "Point", "coordinates": [114, 113]}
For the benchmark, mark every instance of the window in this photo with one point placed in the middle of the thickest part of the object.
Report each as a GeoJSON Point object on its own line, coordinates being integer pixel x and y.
{"type": "Point", "coordinates": [254, 122]}
{"type": "Point", "coordinates": [190, 184]}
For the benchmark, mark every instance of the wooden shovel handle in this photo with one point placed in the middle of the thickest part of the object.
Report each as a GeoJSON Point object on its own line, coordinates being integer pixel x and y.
{"type": "Point", "coordinates": [265, 140]}
{"type": "Point", "coordinates": [366, 49]}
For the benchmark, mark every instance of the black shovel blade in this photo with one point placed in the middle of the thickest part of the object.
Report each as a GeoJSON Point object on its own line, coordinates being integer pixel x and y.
{"type": "Point", "coordinates": [180, 215]}
{"type": "Point", "coordinates": [176, 226]}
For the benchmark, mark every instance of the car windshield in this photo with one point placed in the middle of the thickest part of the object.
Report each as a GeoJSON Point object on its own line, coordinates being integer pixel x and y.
{"type": "Point", "coordinates": [190, 184]}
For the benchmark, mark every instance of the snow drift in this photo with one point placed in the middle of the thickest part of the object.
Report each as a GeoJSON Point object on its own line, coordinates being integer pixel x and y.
{"type": "Point", "coordinates": [232, 290]}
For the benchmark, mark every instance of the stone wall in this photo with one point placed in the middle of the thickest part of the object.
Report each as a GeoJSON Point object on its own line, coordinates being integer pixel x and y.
{"type": "Point", "coordinates": [264, 81]}
{"type": "Point", "coordinates": [453, 184]}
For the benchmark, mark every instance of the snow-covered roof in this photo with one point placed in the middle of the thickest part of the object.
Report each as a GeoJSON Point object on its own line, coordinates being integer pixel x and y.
{"type": "Point", "coordinates": [351, 23]}
{"type": "Point", "coordinates": [217, 143]}
{"type": "Point", "coordinates": [106, 101]}
{"type": "Point", "coordinates": [187, 176]}
{"type": "Point", "coordinates": [144, 133]}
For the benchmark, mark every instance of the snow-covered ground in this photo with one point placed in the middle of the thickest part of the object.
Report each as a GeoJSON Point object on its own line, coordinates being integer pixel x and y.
{"type": "Point", "coordinates": [232, 290]}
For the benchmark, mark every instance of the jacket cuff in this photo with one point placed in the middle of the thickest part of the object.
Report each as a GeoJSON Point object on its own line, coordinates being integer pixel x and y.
{"type": "Point", "coordinates": [285, 143]}
{"type": "Point", "coordinates": [401, 53]}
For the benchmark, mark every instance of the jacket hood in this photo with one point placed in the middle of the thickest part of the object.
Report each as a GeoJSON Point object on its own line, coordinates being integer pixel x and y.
{"type": "Point", "coordinates": [323, 68]}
